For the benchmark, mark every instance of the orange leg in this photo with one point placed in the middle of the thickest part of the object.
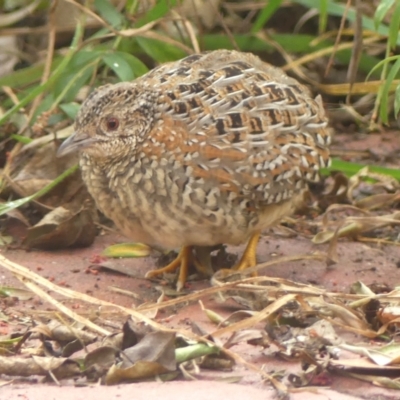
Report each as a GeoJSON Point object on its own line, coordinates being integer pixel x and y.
{"type": "Point", "coordinates": [183, 261]}
{"type": "Point", "coordinates": [249, 258]}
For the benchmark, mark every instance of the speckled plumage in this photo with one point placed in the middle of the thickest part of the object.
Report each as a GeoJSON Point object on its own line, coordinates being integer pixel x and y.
{"type": "Point", "coordinates": [209, 149]}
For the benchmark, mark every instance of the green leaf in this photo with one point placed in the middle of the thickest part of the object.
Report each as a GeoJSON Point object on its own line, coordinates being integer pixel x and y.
{"type": "Point", "coordinates": [383, 7]}
{"type": "Point", "coordinates": [138, 67]}
{"type": "Point", "coordinates": [128, 250]}
{"type": "Point", "coordinates": [160, 51]}
{"type": "Point", "coordinates": [71, 109]}
{"type": "Point", "coordinates": [161, 8]}
{"type": "Point", "coordinates": [120, 67]}
{"type": "Point", "coordinates": [109, 13]}
{"type": "Point", "coordinates": [266, 13]}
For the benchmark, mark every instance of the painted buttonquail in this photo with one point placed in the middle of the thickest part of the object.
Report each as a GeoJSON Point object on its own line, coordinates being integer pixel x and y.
{"type": "Point", "coordinates": [207, 150]}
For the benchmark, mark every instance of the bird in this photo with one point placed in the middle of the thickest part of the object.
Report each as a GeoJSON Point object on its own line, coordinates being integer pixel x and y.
{"type": "Point", "coordinates": [211, 149]}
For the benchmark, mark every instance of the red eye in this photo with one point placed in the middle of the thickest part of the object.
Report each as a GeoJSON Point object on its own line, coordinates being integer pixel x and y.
{"type": "Point", "coordinates": [112, 123]}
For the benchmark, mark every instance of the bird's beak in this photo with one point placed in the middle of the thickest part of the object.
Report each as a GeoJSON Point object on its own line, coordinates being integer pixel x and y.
{"type": "Point", "coordinates": [77, 141]}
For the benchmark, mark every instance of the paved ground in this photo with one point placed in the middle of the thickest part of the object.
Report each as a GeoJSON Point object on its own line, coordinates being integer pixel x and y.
{"type": "Point", "coordinates": [197, 390]}
{"type": "Point", "coordinates": [357, 262]}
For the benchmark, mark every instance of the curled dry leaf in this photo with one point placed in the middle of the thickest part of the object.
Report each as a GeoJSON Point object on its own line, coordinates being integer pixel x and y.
{"type": "Point", "coordinates": [385, 355]}
{"type": "Point", "coordinates": [355, 226]}
{"type": "Point", "coordinates": [337, 192]}
{"type": "Point", "coordinates": [64, 334]}
{"type": "Point", "coordinates": [133, 333]}
{"type": "Point", "coordinates": [34, 169]}
{"type": "Point", "coordinates": [62, 228]}
{"type": "Point", "coordinates": [114, 340]}
{"type": "Point", "coordinates": [104, 356]}
{"type": "Point", "coordinates": [218, 362]}
{"type": "Point", "coordinates": [20, 294]}
{"type": "Point", "coordinates": [212, 315]}
{"type": "Point", "coordinates": [378, 201]}
{"type": "Point", "coordinates": [363, 366]}
{"type": "Point", "coordinates": [256, 337]}
{"type": "Point", "coordinates": [152, 356]}
{"type": "Point", "coordinates": [360, 288]}
{"type": "Point", "coordinates": [389, 315]}
{"type": "Point", "coordinates": [21, 366]}
{"type": "Point", "coordinates": [17, 214]}
{"type": "Point", "coordinates": [348, 316]}
{"type": "Point", "coordinates": [69, 339]}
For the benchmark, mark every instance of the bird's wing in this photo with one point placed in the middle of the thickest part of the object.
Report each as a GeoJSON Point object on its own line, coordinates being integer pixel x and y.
{"type": "Point", "coordinates": [243, 125]}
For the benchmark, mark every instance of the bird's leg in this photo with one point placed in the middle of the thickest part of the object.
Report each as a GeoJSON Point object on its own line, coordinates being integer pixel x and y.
{"type": "Point", "coordinates": [182, 260]}
{"type": "Point", "coordinates": [249, 256]}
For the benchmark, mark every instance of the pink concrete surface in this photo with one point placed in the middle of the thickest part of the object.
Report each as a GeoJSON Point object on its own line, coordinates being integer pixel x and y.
{"type": "Point", "coordinates": [177, 390]}
{"type": "Point", "coordinates": [358, 261]}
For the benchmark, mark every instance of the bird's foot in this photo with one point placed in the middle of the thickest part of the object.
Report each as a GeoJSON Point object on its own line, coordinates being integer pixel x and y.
{"type": "Point", "coordinates": [249, 258]}
{"type": "Point", "coordinates": [182, 261]}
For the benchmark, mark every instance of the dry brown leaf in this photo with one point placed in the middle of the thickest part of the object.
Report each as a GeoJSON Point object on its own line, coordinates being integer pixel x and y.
{"type": "Point", "coordinates": [22, 366]}
{"type": "Point", "coordinates": [348, 316]}
{"type": "Point", "coordinates": [62, 228]}
{"type": "Point", "coordinates": [152, 356]}
{"type": "Point", "coordinates": [354, 226]}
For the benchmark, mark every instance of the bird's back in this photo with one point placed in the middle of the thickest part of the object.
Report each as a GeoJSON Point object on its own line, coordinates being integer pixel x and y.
{"type": "Point", "coordinates": [239, 123]}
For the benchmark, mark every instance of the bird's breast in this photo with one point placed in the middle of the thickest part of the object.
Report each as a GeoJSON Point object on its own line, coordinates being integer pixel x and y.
{"type": "Point", "coordinates": [161, 205]}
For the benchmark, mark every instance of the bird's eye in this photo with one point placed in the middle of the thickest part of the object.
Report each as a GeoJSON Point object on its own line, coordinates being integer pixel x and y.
{"type": "Point", "coordinates": [112, 123]}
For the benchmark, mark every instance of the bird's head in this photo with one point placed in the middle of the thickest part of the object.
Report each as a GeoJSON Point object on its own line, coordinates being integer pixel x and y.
{"type": "Point", "coordinates": [111, 121]}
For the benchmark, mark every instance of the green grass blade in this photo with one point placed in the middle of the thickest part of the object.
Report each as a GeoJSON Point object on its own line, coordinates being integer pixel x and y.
{"type": "Point", "coordinates": [384, 105]}
{"type": "Point", "coordinates": [397, 101]}
{"type": "Point", "coordinates": [394, 27]}
{"type": "Point", "coordinates": [266, 13]}
{"type": "Point", "coordinates": [28, 75]}
{"type": "Point", "coordinates": [383, 8]}
{"type": "Point", "coordinates": [350, 168]}
{"type": "Point", "coordinates": [381, 64]}
{"type": "Point", "coordinates": [21, 139]}
{"type": "Point", "coordinates": [125, 66]}
{"type": "Point", "coordinates": [323, 16]}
